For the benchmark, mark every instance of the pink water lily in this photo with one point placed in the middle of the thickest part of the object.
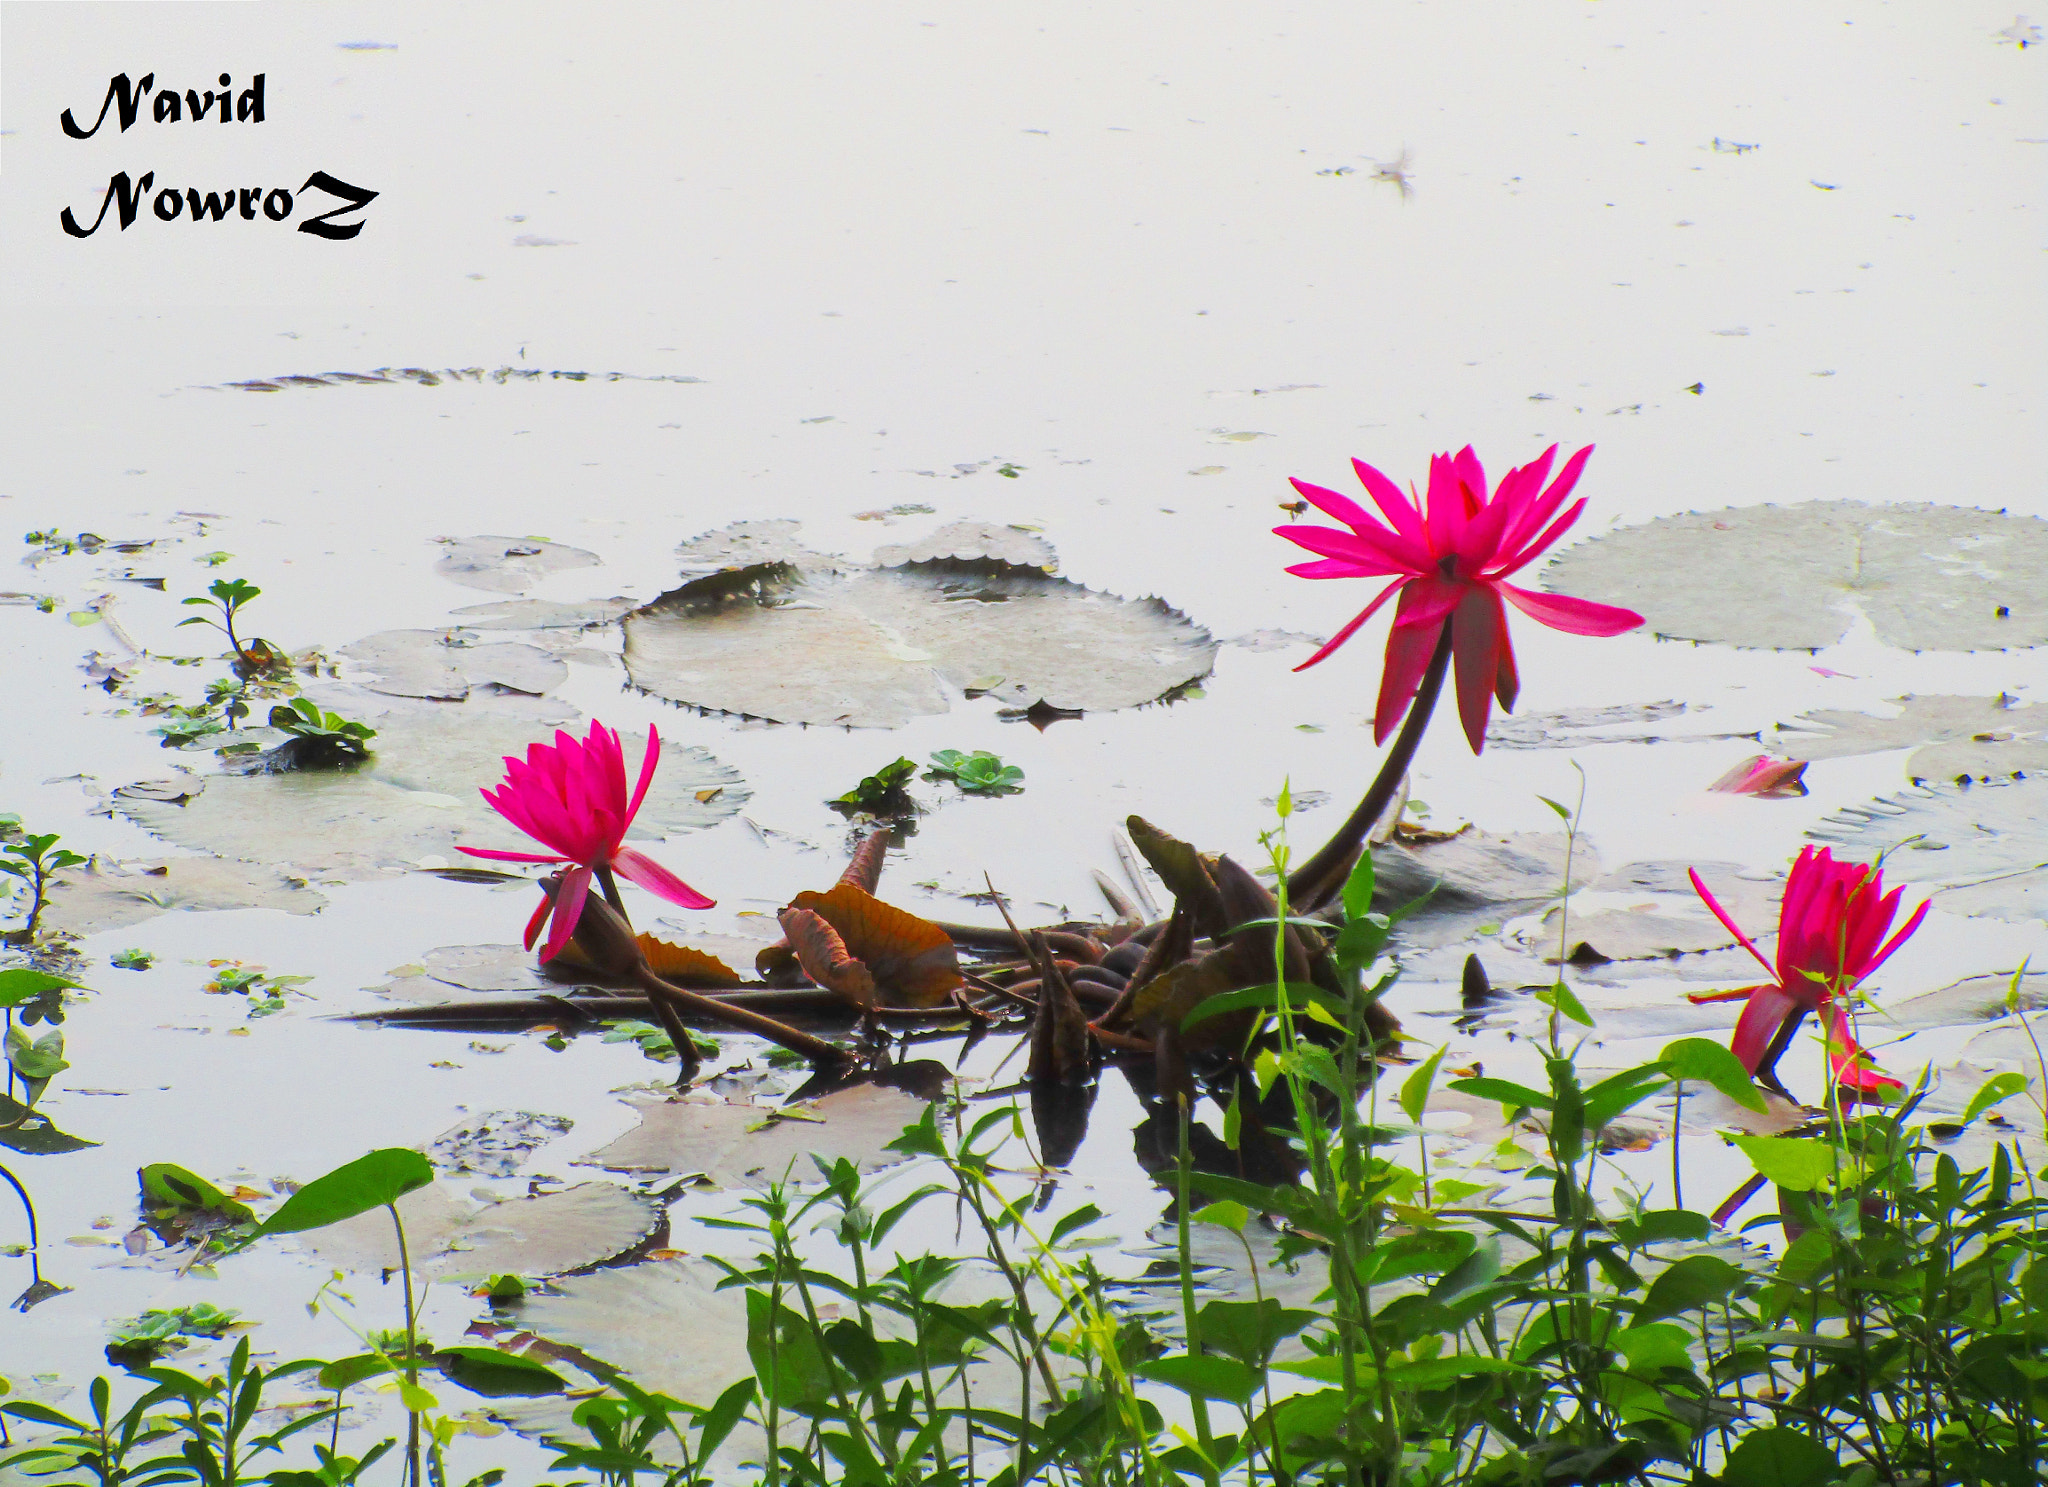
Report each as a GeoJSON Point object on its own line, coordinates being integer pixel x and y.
{"type": "Point", "coordinates": [1831, 936]}
{"type": "Point", "coordinates": [571, 796]}
{"type": "Point", "coordinates": [1450, 556]}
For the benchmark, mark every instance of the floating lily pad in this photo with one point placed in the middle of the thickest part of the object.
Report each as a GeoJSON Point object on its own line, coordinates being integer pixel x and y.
{"type": "Point", "coordinates": [542, 614]}
{"type": "Point", "coordinates": [799, 639]}
{"type": "Point", "coordinates": [495, 1143]}
{"type": "Point", "coordinates": [753, 1145]}
{"type": "Point", "coordinates": [509, 565]}
{"type": "Point", "coordinates": [483, 968]}
{"type": "Point", "coordinates": [446, 664]}
{"type": "Point", "coordinates": [1954, 739]}
{"type": "Point", "coordinates": [1973, 999]}
{"type": "Point", "coordinates": [547, 1235]}
{"type": "Point", "coordinates": [1576, 727]}
{"type": "Point", "coordinates": [1983, 848]}
{"type": "Point", "coordinates": [1664, 926]}
{"type": "Point", "coordinates": [638, 1317]}
{"type": "Point", "coordinates": [416, 797]}
{"type": "Point", "coordinates": [1793, 577]}
{"type": "Point", "coordinates": [970, 540]}
{"type": "Point", "coordinates": [87, 900]}
{"type": "Point", "coordinates": [1472, 878]}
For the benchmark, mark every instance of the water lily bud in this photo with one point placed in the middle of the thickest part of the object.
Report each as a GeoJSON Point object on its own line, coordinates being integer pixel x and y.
{"type": "Point", "coordinates": [601, 937]}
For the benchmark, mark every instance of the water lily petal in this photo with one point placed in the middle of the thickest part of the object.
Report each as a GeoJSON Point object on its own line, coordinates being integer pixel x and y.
{"type": "Point", "coordinates": [568, 910]}
{"type": "Point", "coordinates": [1714, 907]}
{"type": "Point", "coordinates": [1326, 568]}
{"type": "Point", "coordinates": [496, 856]}
{"type": "Point", "coordinates": [1574, 616]}
{"type": "Point", "coordinates": [1356, 620]}
{"type": "Point", "coordinates": [1409, 648]}
{"type": "Point", "coordinates": [1765, 1013]}
{"type": "Point", "coordinates": [638, 867]}
{"type": "Point", "coordinates": [1400, 509]}
{"type": "Point", "coordinates": [1478, 629]}
{"type": "Point", "coordinates": [1372, 557]}
{"type": "Point", "coordinates": [647, 762]}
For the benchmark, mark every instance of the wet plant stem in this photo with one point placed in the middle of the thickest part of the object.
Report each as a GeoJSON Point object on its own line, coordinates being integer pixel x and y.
{"type": "Point", "coordinates": [1320, 878]}
{"type": "Point", "coordinates": [671, 1020]}
{"type": "Point", "coordinates": [412, 1355]}
{"type": "Point", "coordinates": [1190, 1318]}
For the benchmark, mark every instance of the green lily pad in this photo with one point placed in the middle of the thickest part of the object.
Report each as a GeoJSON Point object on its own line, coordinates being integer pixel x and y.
{"type": "Point", "coordinates": [1983, 849]}
{"type": "Point", "coordinates": [417, 797]}
{"type": "Point", "coordinates": [791, 636]}
{"type": "Point", "coordinates": [1954, 739]}
{"type": "Point", "coordinates": [1473, 878]}
{"type": "Point", "coordinates": [1927, 577]}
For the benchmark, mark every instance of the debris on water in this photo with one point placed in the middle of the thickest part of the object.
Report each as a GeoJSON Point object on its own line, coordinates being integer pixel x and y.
{"type": "Point", "coordinates": [1764, 777]}
{"type": "Point", "coordinates": [1927, 577]}
{"type": "Point", "coordinates": [422, 377]}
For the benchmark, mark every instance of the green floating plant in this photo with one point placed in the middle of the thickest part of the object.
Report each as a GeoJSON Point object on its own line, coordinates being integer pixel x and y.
{"type": "Point", "coordinates": [978, 773]}
{"type": "Point", "coordinates": [881, 791]}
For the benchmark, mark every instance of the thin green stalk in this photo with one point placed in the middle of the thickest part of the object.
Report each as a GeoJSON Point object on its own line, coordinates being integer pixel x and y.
{"type": "Point", "coordinates": [1190, 1320]}
{"type": "Point", "coordinates": [412, 1354]}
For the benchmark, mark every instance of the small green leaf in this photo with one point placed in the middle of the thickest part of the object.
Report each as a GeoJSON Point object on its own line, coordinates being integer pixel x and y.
{"type": "Point", "coordinates": [1687, 1286]}
{"type": "Point", "coordinates": [1518, 1096]}
{"type": "Point", "coordinates": [1560, 996]}
{"type": "Point", "coordinates": [1202, 1376]}
{"type": "Point", "coordinates": [1225, 1214]}
{"type": "Point", "coordinates": [1564, 813]}
{"type": "Point", "coordinates": [1415, 1089]}
{"type": "Point", "coordinates": [1780, 1456]}
{"type": "Point", "coordinates": [1709, 1062]}
{"type": "Point", "coordinates": [371, 1181]}
{"type": "Point", "coordinates": [1795, 1162]}
{"type": "Point", "coordinates": [2002, 1086]}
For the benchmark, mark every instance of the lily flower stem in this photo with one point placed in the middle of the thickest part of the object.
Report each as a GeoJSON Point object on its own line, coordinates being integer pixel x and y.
{"type": "Point", "coordinates": [671, 1020]}
{"type": "Point", "coordinates": [1320, 878]}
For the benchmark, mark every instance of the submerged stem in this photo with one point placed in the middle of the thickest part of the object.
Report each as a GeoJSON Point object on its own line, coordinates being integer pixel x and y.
{"type": "Point", "coordinates": [1323, 874]}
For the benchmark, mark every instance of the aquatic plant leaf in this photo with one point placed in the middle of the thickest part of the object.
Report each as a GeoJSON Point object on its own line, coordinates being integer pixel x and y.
{"type": "Point", "coordinates": [1972, 999]}
{"type": "Point", "coordinates": [416, 798]}
{"type": "Point", "coordinates": [823, 956]}
{"type": "Point", "coordinates": [687, 966]}
{"type": "Point", "coordinates": [495, 1143]}
{"type": "Point", "coordinates": [1472, 878]}
{"type": "Point", "coordinates": [167, 1186]}
{"type": "Point", "coordinates": [1578, 727]}
{"type": "Point", "coordinates": [371, 1181]}
{"type": "Point", "coordinates": [790, 638]}
{"type": "Point", "coordinates": [543, 1235]}
{"type": "Point", "coordinates": [30, 1132]}
{"type": "Point", "coordinates": [1677, 923]}
{"type": "Point", "coordinates": [89, 899]}
{"type": "Point", "coordinates": [445, 665]}
{"type": "Point", "coordinates": [1954, 739]}
{"type": "Point", "coordinates": [911, 960]}
{"type": "Point", "coordinates": [542, 614]}
{"type": "Point", "coordinates": [745, 1145]}
{"type": "Point", "coordinates": [1982, 849]}
{"type": "Point", "coordinates": [968, 541]}
{"type": "Point", "coordinates": [1187, 875]}
{"type": "Point", "coordinates": [509, 565]}
{"type": "Point", "coordinates": [1793, 577]}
